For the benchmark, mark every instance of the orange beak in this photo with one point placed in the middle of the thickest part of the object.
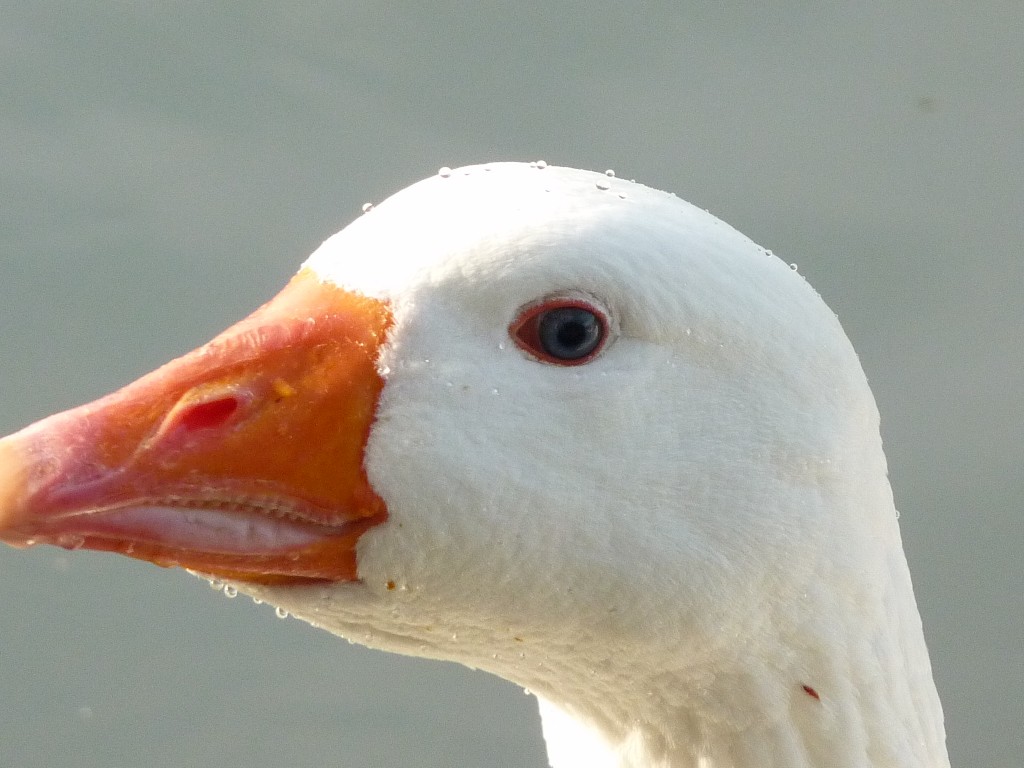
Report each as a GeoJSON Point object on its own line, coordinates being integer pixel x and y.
{"type": "Point", "coordinates": [242, 459]}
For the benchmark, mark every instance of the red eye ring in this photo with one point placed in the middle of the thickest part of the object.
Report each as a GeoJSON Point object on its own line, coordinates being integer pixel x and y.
{"type": "Point", "coordinates": [561, 330]}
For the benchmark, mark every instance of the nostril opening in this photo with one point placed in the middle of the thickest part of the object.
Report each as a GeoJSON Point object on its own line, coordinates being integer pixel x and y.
{"type": "Point", "coordinates": [209, 414]}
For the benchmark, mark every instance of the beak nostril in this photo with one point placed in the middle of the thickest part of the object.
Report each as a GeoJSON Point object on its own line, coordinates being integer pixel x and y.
{"type": "Point", "coordinates": [208, 414]}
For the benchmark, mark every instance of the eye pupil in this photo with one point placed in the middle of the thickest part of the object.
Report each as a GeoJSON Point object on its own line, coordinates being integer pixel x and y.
{"type": "Point", "coordinates": [569, 333]}
{"type": "Point", "coordinates": [572, 334]}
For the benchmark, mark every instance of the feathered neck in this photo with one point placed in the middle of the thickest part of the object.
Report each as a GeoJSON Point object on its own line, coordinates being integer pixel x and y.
{"type": "Point", "coordinates": [836, 677]}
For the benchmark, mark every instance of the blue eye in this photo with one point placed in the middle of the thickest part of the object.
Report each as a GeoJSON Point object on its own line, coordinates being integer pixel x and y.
{"type": "Point", "coordinates": [561, 331]}
{"type": "Point", "coordinates": [569, 333]}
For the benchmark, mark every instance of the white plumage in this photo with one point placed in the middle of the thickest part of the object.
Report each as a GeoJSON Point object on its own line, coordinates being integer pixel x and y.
{"type": "Point", "coordinates": [667, 543]}
{"type": "Point", "coordinates": [686, 546]}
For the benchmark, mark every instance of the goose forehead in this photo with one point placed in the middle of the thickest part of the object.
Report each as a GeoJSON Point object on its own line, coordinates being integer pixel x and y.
{"type": "Point", "coordinates": [497, 220]}
{"type": "Point", "coordinates": [489, 238]}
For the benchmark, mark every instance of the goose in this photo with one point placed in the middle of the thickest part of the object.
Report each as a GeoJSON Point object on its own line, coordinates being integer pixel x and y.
{"type": "Point", "coordinates": [548, 423]}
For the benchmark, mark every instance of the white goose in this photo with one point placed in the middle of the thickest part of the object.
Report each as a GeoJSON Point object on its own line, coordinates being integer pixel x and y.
{"type": "Point", "coordinates": [554, 425]}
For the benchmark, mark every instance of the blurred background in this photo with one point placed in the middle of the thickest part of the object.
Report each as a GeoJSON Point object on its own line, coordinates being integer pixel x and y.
{"type": "Point", "coordinates": [165, 167]}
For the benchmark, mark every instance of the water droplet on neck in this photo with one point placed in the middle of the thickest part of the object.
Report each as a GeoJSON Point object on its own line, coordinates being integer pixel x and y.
{"type": "Point", "coordinates": [367, 207]}
{"type": "Point", "coordinates": [603, 185]}
{"type": "Point", "coordinates": [610, 173]}
{"type": "Point", "coordinates": [230, 590]}
{"type": "Point", "coordinates": [444, 172]}
{"type": "Point", "coordinates": [794, 267]}
{"type": "Point", "coordinates": [281, 613]}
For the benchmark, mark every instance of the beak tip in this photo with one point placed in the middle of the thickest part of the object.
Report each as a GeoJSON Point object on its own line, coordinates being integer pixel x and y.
{"type": "Point", "coordinates": [15, 481]}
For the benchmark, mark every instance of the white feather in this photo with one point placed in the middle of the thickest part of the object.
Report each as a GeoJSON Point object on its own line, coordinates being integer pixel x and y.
{"type": "Point", "coordinates": [666, 544]}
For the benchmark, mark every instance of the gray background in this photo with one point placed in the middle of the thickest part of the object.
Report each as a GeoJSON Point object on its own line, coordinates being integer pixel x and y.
{"type": "Point", "coordinates": [166, 167]}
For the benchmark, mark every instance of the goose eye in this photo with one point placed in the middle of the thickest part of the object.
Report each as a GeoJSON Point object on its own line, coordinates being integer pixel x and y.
{"type": "Point", "coordinates": [561, 331]}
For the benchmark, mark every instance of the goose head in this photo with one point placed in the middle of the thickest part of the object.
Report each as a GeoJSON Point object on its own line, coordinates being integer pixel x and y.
{"type": "Point", "coordinates": [554, 425]}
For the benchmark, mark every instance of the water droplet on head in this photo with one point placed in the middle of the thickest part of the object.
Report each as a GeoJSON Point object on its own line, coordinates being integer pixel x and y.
{"type": "Point", "coordinates": [444, 172]}
{"type": "Point", "coordinates": [217, 585]}
{"type": "Point", "coordinates": [367, 207]}
{"type": "Point", "coordinates": [610, 173]}
{"type": "Point", "coordinates": [257, 601]}
{"type": "Point", "coordinates": [542, 164]}
{"type": "Point", "coordinates": [281, 613]}
{"type": "Point", "coordinates": [794, 267]}
{"type": "Point", "coordinates": [602, 185]}
{"type": "Point", "coordinates": [230, 590]}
